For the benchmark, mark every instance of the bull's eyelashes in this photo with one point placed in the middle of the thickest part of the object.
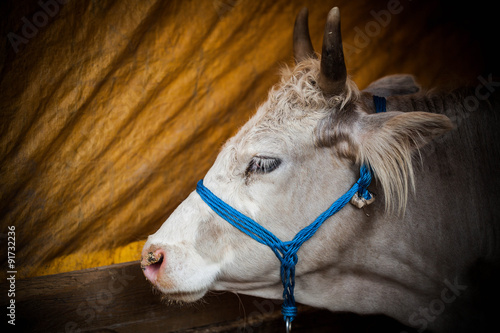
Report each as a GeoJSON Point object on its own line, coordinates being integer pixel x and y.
{"type": "Point", "coordinates": [262, 165]}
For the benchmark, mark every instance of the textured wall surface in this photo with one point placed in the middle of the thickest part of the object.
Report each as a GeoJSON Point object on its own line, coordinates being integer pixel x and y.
{"type": "Point", "coordinates": [112, 110]}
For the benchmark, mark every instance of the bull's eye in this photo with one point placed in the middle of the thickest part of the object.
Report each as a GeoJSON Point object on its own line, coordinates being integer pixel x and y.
{"type": "Point", "coordinates": [262, 164]}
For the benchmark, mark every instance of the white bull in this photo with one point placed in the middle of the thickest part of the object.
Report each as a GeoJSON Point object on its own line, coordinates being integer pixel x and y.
{"type": "Point", "coordinates": [425, 252]}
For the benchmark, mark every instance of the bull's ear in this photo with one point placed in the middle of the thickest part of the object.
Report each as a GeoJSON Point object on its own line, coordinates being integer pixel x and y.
{"type": "Point", "coordinates": [387, 141]}
{"type": "Point", "coordinates": [397, 84]}
{"type": "Point", "coordinates": [407, 130]}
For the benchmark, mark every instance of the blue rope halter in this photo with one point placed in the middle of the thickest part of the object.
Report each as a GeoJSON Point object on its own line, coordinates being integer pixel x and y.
{"type": "Point", "coordinates": [380, 104]}
{"type": "Point", "coordinates": [286, 252]}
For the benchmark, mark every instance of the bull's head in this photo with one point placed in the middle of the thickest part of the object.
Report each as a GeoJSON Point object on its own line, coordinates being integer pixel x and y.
{"type": "Point", "coordinates": [300, 152]}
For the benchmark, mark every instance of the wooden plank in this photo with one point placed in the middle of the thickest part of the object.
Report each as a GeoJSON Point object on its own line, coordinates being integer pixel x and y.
{"type": "Point", "coordinates": [117, 298]}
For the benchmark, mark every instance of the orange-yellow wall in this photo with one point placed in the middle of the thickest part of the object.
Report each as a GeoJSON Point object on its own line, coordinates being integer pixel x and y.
{"type": "Point", "coordinates": [113, 110]}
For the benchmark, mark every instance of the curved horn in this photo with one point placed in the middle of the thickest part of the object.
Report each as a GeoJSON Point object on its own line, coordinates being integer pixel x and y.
{"type": "Point", "coordinates": [333, 73]}
{"type": "Point", "coordinates": [302, 46]}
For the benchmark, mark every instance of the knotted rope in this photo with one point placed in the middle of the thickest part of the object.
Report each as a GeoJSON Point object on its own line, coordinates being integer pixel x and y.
{"type": "Point", "coordinates": [286, 252]}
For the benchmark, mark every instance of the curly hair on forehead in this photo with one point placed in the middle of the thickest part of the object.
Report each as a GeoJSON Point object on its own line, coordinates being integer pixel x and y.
{"type": "Point", "coordinates": [299, 88]}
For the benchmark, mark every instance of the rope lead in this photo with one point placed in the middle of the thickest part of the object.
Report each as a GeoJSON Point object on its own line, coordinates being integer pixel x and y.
{"type": "Point", "coordinates": [286, 252]}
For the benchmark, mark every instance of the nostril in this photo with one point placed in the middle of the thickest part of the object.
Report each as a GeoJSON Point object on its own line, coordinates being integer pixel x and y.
{"type": "Point", "coordinates": [152, 265]}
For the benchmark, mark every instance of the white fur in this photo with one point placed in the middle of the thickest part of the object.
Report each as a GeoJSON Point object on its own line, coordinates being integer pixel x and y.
{"type": "Point", "coordinates": [382, 263]}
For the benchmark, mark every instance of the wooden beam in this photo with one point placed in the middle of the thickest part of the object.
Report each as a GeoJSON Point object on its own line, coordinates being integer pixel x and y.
{"type": "Point", "coordinates": [117, 298]}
